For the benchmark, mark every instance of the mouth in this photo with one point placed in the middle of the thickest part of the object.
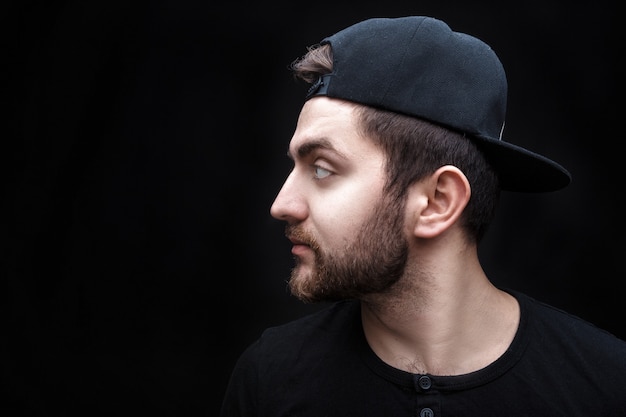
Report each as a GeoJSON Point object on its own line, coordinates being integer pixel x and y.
{"type": "Point", "coordinates": [301, 245]}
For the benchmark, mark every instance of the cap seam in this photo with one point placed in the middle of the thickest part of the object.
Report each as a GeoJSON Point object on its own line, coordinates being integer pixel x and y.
{"type": "Point", "coordinates": [404, 54]}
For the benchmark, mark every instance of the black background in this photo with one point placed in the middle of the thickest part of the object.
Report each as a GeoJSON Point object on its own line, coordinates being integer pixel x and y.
{"type": "Point", "coordinates": [145, 141]}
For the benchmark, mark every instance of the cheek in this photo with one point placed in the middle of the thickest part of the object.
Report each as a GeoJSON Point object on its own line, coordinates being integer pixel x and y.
{"type": "Point", "coordinates": [339, 219]}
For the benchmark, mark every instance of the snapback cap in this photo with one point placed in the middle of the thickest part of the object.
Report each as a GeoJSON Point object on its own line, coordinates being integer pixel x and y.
{"type": "Point", "coordinates": [418, 66]}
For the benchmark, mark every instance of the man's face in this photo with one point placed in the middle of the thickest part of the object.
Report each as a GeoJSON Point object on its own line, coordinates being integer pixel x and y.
{"type": "Point", "coordinates": [348, 237]}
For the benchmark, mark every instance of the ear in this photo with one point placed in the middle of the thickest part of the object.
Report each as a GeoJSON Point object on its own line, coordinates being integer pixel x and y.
{"type": "Point", "coordinates": [440, 200]}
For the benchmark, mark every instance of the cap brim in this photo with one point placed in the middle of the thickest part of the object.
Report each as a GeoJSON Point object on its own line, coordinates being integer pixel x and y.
{"type": "Point", "coordinates": [522, 170]}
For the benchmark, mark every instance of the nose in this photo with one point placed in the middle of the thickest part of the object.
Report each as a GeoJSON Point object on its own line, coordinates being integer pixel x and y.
{"type": "Point", "coordinates": [289, 205]}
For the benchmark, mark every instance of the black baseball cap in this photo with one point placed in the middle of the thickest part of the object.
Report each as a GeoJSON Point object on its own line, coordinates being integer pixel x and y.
{"type": "Point", "coordinates": [418, 66]}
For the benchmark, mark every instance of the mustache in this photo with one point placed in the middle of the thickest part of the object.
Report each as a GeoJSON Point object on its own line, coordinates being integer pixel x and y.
{"type": "Point", "coordinates": [297, 233]}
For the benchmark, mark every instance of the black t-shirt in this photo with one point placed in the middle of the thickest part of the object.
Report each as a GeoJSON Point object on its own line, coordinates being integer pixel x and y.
{"type": "Point", "coordinates": [322, 366]}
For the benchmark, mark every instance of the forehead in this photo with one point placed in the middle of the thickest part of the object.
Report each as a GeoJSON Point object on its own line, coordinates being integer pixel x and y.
{"type": "Point", "coordinates": [330, 124]}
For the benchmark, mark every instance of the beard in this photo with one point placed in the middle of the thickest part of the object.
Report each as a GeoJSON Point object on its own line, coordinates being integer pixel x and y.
{"type": "Point", "coordinates": [370, 263]}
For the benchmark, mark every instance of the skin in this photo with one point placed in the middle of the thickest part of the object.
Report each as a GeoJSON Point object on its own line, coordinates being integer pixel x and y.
{"type": "Point", "coordinates": [343, 250]}
{"type": "Point", "coordinates": [427, 305]}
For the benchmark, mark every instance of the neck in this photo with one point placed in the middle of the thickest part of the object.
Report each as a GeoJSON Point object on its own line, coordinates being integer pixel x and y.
{"type": "Point", "coordinates": [449, 321]}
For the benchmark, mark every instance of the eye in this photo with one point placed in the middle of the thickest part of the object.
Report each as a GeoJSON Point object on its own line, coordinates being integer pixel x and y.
{"type": "Point", "coordinates": [320, 173]}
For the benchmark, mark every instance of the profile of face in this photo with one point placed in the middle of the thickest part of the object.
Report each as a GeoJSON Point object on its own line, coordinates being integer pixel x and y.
{"type": "Point", "coordinates": [348, 235]}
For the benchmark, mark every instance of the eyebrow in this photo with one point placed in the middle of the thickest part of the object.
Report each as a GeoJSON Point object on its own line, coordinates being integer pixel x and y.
{"type": "Point", "coordinates": [309, 147]}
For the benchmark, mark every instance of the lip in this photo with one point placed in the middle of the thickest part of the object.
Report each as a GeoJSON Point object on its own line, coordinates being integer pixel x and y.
{"type": "Point", "coordinates": [300, 249]}
{"type": "Point", "coordinates": [296, 241]}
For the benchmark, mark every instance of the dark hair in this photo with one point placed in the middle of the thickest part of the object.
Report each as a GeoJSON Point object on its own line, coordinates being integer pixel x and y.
{"type": "Point", "coordinates": [416, 148]}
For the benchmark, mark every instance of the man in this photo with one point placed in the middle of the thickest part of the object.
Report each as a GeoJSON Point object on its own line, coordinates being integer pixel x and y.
{"type": "Point", "coordinates": [398, 166]}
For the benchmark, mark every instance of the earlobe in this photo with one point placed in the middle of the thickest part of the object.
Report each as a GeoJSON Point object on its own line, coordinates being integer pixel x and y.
{"type": "Point", "coordinates": [447, 193]}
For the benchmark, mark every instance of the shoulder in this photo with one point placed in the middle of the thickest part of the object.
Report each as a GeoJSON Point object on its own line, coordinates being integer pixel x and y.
{"type": "Point", "coordinates": [314, 332]}
{"type": "Point", "coordinates": [329, 320]}
{"type": "Point", "coordinates": [289, 362]}
{"type": "Point", "coordinates": [288, 351]}
{"type": "Point", "coordinates": [580, 365]}
{"type": "Point", "coordinates": [566, 323]}
{"type": "Point", "coordinates": [556, 332]}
